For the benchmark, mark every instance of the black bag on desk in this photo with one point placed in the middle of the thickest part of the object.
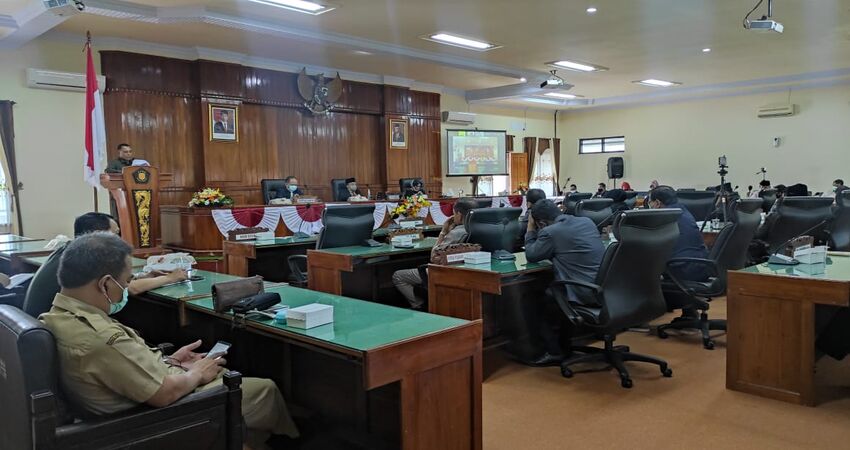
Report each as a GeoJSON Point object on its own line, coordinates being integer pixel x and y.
{"type": "Point", "coordinates": [259, 302]}
{"type": "Point", "coordinates": [227, 293]}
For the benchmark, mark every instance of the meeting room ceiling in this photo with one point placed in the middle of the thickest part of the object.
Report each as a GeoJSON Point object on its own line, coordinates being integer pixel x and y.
{"type": "Point", "coordinates": [636, 39]}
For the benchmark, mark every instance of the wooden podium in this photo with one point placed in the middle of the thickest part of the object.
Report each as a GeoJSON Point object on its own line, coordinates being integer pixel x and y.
{"type": "Point", "coordinates": [135, 192]}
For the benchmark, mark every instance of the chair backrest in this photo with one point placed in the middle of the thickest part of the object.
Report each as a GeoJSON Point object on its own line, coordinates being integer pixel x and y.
{"type": "Point", "coordinates": [346, 225]}
{"type": "Point", "coordinates": [484, 202]}
{"type": "Point", "coordinates": [839, 235]}
{"type": "Point", "coordinates": [337, 187]}
{"type": "Point", "coordinates": [630, 272]}
{"type": "Point", "coordinates": [407, 183]}
{"type": "Point", "coordinates": [272, 188]}
{"type": "Point", "coordinates": [573, 199]}
{"type": "Point", "coordinates": [631, 199]}
{"type": "Point", "coordinates": [768, 198]}
{"type": "Point", "coordinates": [599, 210]}
{"type": "Point", "coordinates": [28, 365]}
{"type": "Point", "coordinates": [795, 215]}
{"type": "Point", "coordinates": [44, 286]}
{"type": "Point", "coordinates": [493, 228]}
{"type": "Point", "coordinates": [699, 203]}
{"type": "Point", "coordinates": [731, 246]}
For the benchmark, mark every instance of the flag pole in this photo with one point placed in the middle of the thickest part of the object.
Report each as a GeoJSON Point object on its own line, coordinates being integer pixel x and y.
{"type": "Point", "coordinates": [87, 47]}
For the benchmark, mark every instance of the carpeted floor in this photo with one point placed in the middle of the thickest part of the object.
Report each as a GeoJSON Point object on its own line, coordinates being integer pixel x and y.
{"type": "Point", "coordinates": [535, 408]}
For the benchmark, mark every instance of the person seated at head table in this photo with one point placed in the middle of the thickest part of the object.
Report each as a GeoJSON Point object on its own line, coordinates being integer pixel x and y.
{"type": "Point", "coordinates": [689, 245]}
{"type": "Point", "coordinates": [626, 186]}
{"type": "Point", "coordinates": [600, 191]}
{"type": "Point", "coordinates": [573, 189]}
{"type": "Point", "coordinates": [350, 192]}
{"type": "Point", "coordinates": [573, 245]}
{"type": "Point", "coordinates": [292, 190]}
{"type": "Point", "coordinates": [44, 283]}
{"type": "Point", "coordinates": [453, 232]}
{"type": "Point", "coordinates": [108, 368]}
{"type": "Point", "coordinates": [837, 187]}
{"type": "Point", "coordinates": [125, 159]}
{"type": "Point", "coordinates": [764, 185]}
{"type": "Point", "coordinates": [416, 188]}
{"type": "Point", "coordinates": [654, 184]}
{"type": "Point", "coordinates": [619, 197]}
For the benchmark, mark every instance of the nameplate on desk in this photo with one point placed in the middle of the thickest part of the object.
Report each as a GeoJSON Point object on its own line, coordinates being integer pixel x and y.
{"type": "Point", "coordinates": [307, 200]}
{"type": "Point", "coordinates": [456, 258]}
{"type": "Point", "coordinates": [409, 223]}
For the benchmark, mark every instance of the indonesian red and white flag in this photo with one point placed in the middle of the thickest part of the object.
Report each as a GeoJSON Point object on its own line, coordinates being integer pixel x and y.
{"type": "Point", "coordinates": [95, 151]}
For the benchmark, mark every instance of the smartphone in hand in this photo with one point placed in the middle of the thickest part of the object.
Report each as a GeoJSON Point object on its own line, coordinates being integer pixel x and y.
{"type": "Point", "coordinates": [219, 349]}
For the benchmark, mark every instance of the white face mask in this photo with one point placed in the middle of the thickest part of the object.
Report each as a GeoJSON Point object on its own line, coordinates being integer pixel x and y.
{"type": "Point", "coordinates": [352, 187]}
{"type": "Point", "coordinates": [292, 187]}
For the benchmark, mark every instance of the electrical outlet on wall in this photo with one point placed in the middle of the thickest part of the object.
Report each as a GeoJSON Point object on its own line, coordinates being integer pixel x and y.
{"type": "Point", "coordinates": [777, 141]}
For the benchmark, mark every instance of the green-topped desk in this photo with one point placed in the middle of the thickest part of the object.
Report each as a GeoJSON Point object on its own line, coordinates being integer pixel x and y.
{"type": "Point", "coordinates": [4, 238]}
{"type": "Point", "coordinates": [771, 326]}
{"type": "Point", "coordinates": [268, 258]}
{"type": "Point", "coordinates": [12, 252]}
{"type": "Point", "coordinates": [362, 272]}
{"type": "Point", "coordinates": [456, 290]}
{"type": "Point", "coordinates": [408, 379]}
{"type": "Point", "coordinates": [32, 263]}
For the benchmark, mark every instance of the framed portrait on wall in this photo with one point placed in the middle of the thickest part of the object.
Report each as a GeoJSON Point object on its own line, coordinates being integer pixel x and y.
{"type": "Point", "coordinates": [397, 133]}
{"type": "Point", "coordinates": [224, 123]}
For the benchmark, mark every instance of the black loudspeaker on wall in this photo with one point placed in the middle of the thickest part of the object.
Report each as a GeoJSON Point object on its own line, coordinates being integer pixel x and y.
{"type": "Point", "coordinates": [615, 167]}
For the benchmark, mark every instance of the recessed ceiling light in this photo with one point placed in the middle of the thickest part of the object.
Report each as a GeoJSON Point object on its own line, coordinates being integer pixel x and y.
{"type": "Point", "coordinates": [577, 66]}
{"type": "Point", "coordinates": [303, 6]}
{"type": "Point", "coordinates": [561, 95]}
{"type": "Point", "coordinates": [460, 41]}
{"type": "Point", "coordinates": [591, 10]}
{"type": "Point", "coordinates": [706, 50]}
{"type": "Point", "coordinates": [362, 52]}
{"type": "Point", "coordinates": [523, 79]}
{"type": "Point", "coordinates": [652, 82]}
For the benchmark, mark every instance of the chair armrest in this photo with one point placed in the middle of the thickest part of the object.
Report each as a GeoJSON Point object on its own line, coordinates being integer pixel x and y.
{"type": "Point", "coordinates": [144, 422]}
{"type": "Point", "coordinates": [559, 292]}
{"type": "Point", "coordinates": [298, 267]}
{"type": "Point", "coordinates": [708, 263]}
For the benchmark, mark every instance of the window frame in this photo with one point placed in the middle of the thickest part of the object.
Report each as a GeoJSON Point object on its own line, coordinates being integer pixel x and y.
{"type": "Point", "coordinates": [602, 144]}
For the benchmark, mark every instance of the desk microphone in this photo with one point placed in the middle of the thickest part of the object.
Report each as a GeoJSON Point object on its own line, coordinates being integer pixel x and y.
{"type": "Point", "coordinates": [566, 183]}
{"type": "Point", "coordinates": [776, 258]}
{"type": "Point", "coordinates": [300, 234]}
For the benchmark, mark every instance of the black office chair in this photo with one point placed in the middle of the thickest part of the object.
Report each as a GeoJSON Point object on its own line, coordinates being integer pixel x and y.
{"type": "Point", "coordinates": [272, 188]}
{"type": "Point", "coordinates": [407, 183]}
{"type": "Point", "coordinates": [631, 199]}
{"type": "Point", "coordinates": [619, 197]}
{"type": "Point", "coordinates": [627, 289]}
{"type": "Point", "coordinates": [342, 226]}
{"type": "Point", "coordinates": [572, 200]}
{"type": "Point", "coordinates": [337, 187]}
{"type": "Point", "coordinates": [486, 202]}
{"type": "Point", "coordinates": [43, 286]}
{"type": "Point", "coordinates": [792, 216]}
{"type": "Point", "coordinates": [36, 416]}
{"type": "Point", "coordinates": [728, 253]}
{"type": "Point", "coordinates": [599, 210]}
{"type": "Point", "coordinates": [494, 228]}
{"type": "Point", "coordinates": [699, 203]}
{"type": "Point", "coordinates": [839, 234]}
{"type": "Point", "coordinates": [768, 198]}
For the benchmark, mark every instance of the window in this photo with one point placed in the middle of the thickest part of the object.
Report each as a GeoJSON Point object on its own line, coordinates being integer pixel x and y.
{"type": "Point", "coordinates": [613, 144]}
{"type": "Point", "coordinates": [543, 174]}
{"type": "Point", "coordinates": [492, 185]}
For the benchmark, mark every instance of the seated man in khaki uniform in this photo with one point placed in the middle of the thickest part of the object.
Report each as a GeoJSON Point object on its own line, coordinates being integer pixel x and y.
{"type": "Point", "coordinates": [106, 367]}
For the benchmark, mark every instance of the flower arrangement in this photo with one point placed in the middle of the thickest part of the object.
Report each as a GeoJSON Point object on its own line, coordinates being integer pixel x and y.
{"type": "Point", "coordinates": [411, 206]}
{"type": "Point", "coordinates": [209, 197]}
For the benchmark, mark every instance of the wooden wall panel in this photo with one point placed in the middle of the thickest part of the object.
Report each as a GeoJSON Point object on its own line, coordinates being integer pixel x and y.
{"type": "Point", "coordinates": [160, 106]}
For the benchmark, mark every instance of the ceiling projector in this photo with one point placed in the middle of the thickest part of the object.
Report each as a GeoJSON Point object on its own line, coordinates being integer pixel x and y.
{"type": "Point", "coordinates": [764, 24]}
{"type": "Point", "coordinates": [554, 82]}
{"type": "Point", "coordinates": [64, 8]}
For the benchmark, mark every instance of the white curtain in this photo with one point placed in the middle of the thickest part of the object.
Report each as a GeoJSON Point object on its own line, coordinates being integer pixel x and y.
{"type": "Point", "coordinates": [543, 174]}
{"type": "Point", "coordinates": [485, 185]}
{"type": "Point", "coordinates": [5, 197]}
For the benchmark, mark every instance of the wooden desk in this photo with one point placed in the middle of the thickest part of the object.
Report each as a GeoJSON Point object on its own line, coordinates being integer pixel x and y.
{"type": "Point", "coordinates": [6, 238]}
{"type": "Point", "coordinates": [325, 268]}
{"type": "Point", "coordinates": [32, 263]}
{"type": "Point", "coordinates": [409, 380]}
{"type": "Point", "coordinates": [268, 258]}
{"type": "Point", "coordinates": [771, 326]}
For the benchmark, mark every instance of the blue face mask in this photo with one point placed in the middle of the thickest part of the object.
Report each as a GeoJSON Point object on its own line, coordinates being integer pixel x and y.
{"type": "Point", "coordinates": [292, 187]}
{"type": "Point", "coordinates": [114, 308]}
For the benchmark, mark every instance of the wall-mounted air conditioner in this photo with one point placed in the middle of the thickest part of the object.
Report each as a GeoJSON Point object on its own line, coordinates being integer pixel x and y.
{"type": "Point", "coordinates": [63, 81]}
{"type": "Point", "coordinates": [776, 110]}
{"type": "Point", "coordinates": [458, 118]}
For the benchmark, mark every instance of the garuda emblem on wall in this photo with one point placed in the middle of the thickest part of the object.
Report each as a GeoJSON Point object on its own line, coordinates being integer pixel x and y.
{"type": "Point", "coordinates": [319, 96]}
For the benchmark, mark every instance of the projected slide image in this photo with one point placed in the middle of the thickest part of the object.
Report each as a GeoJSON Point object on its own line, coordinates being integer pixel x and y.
{"type": "Point", "coordinates": [477, 153]}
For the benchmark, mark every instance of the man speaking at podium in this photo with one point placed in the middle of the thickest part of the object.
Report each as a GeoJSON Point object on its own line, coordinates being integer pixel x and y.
{"type": "Point", "coordinates": [125, 159]}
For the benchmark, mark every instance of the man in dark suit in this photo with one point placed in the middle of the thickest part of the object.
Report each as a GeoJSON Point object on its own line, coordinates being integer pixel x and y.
{"type": "Point", "coordinates": [689, 245]}
{"type": "Point", "coordinates": [350, 192]}
{"type": "Point", "coordinates": [416, 188]}
{"type": "Point", "coordinates": [572, 244]}
{"type": "Point", "coordinates": [223, 124]}
{"type": "Point", "coordinates": [292, 189]}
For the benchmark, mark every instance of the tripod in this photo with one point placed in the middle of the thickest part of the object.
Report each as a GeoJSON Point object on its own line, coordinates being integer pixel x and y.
{"type": "Point", "coordinates": [724, 195]}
